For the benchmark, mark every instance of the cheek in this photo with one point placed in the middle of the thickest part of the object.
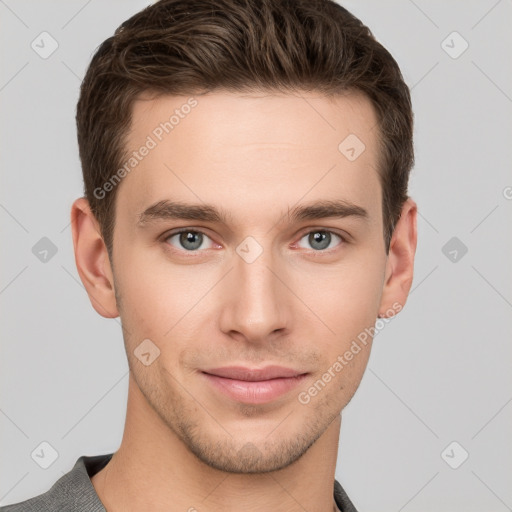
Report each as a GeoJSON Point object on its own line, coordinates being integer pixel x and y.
{"type": "Point", "coordinates": [345, 297]}
{"type": "Point", "coordinates": [159, 298]}
{"type": "Point", "coordinates": [146, 295]}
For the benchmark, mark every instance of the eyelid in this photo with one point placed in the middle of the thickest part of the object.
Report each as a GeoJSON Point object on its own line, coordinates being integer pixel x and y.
{"type": "Point", "coordinates": [344, 236]}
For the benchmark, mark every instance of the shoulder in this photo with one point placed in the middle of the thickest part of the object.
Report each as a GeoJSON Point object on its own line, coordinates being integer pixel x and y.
{"type": "Point", "coordinates": [73, 492]}
{"type": "Point", "coordinates": [342, 499]}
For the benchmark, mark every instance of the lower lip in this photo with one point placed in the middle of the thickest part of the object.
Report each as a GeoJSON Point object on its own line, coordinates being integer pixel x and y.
{"type": "Point", "coordinates": [257, 392]}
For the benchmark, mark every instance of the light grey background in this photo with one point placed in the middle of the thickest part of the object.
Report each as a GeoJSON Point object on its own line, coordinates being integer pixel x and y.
{"type": "Point", "coordinates": [439, 372]}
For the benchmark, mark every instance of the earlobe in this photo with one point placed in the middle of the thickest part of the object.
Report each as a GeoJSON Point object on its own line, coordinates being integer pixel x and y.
{"type": "Point", "coordinates": [400, 264]}
{"type": "Point", "coordinates": [91, 258]}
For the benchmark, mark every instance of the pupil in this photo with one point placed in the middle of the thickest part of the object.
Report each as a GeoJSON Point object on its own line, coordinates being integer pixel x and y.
{"type": "Point", "coordinates": [321, 237]}
{"type": "Point", "coordinates": [188, 238]}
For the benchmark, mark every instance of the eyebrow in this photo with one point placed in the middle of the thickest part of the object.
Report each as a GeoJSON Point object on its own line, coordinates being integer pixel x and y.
{"type": "Point", "coordinates": [323, 209]}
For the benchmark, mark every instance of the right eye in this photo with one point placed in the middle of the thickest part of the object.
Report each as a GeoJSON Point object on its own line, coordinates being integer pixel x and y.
{"type": "Point", "coordinates": [189, 240]}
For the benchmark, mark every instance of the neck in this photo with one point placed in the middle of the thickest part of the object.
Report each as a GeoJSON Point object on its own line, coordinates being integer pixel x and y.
{"type": "Point", "coordinates": [154, 470]}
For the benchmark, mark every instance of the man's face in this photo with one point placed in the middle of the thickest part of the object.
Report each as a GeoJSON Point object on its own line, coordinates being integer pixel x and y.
{"type": "Point", "coordinates": [260, 287]}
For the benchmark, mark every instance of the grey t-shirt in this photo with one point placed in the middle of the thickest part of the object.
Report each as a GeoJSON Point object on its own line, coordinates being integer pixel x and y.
{"type": "Point", "coordinates": [74, 492]}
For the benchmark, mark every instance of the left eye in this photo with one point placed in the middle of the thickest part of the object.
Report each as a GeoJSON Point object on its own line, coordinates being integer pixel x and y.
{"type": "Point", "coordinates": [320, 240]}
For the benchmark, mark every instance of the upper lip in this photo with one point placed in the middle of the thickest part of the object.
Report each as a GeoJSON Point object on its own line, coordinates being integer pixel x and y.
{"type": "Point", "coordinates": [254, 374]}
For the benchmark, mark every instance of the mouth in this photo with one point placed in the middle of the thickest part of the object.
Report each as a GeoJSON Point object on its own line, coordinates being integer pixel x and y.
{"type": "Point", "coordinates": [253, 385]}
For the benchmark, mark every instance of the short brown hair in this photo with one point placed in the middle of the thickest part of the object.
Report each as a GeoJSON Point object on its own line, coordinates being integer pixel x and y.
{"type": "Point", "coordinates": [184, 47]}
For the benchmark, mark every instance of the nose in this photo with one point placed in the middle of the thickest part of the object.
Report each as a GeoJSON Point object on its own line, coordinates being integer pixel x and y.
{"type": "Point", "coordinates": [255, 302]}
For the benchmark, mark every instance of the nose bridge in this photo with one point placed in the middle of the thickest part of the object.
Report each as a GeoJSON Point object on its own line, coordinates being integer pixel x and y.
{"type": "Point", "coordinates": [256, 305]}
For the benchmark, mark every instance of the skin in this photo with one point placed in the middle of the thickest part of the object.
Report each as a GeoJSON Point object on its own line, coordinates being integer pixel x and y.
{"type": "Point", "coordinates": [185, 446]}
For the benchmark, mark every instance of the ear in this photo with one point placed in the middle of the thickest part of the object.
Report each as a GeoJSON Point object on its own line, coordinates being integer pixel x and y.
{"type": "Point", "coordinates": [91, 258]}
{"type": "Point", "coordinates": [400, 262]}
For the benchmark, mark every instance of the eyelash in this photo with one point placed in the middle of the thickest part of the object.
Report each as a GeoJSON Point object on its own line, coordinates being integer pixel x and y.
{"type": "Point", "coordinates": [167, 236]}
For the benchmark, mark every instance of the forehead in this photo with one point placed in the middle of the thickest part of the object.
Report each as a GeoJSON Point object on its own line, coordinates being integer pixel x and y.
{"type": "Point", "coordinates": [251, 151]}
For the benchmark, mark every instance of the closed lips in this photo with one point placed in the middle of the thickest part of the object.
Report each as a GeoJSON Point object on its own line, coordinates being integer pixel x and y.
{"type": "Point", "coordinates": [254, 374]}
